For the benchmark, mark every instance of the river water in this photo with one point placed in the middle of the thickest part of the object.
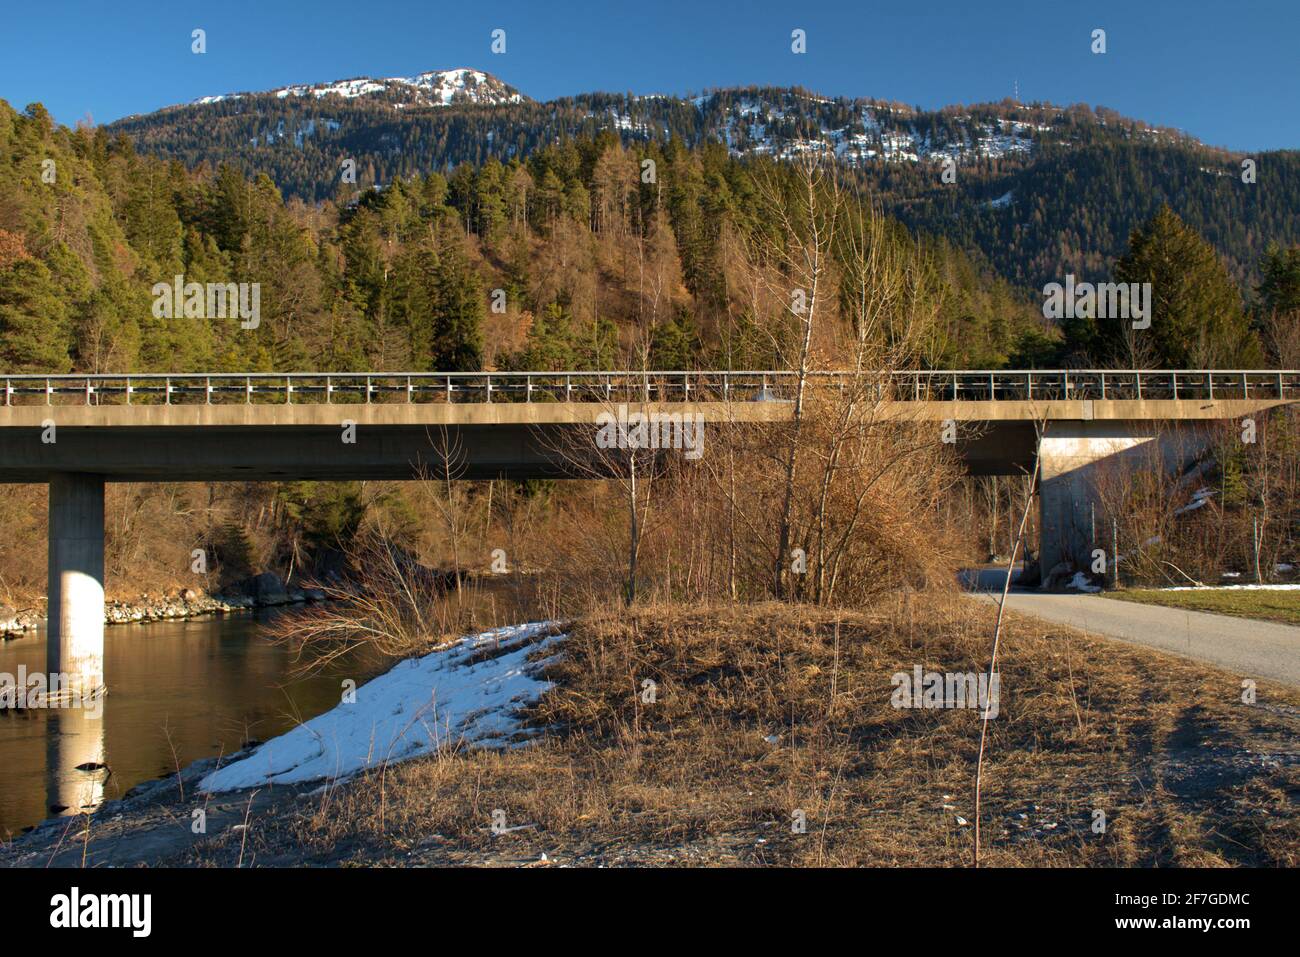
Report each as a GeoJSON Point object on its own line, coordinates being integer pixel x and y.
{"type": "Point", "coordinates": [178, 691]}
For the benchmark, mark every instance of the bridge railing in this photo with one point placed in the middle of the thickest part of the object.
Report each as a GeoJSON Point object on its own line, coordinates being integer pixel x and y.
{"type": "Point", "coordinates": [670, 386]}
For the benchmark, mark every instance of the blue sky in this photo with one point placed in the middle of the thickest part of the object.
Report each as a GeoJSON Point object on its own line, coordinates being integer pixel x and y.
{"type": "Point", "coordinates": [1226, 72]}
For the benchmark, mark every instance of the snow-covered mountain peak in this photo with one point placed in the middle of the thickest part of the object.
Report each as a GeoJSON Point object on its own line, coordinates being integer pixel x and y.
{"type": "Point", "coordinates": [434, 88]}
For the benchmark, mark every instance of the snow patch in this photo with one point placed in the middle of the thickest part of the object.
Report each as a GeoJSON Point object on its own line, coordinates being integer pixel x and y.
{"type": "Point", "coordinates": [1080, 582]}
{"type": "Point", "coordinates": [1233, 588]}
{"type": "Point", "coordinates": [467, 692]}
{"type": "Point", "coordinates": [1200, 498]}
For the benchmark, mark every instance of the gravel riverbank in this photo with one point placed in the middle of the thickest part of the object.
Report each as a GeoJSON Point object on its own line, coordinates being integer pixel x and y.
{"type": "Point", "coordinates": [261, 591]}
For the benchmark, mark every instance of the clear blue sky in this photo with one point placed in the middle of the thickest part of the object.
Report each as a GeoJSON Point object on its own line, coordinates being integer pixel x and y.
{"type": "Point", "coordinates": [1226, 71]}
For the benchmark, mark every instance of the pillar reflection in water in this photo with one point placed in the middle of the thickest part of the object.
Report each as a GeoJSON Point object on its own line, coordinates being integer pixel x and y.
{"type": "Point", "coordinates": [75, 771]}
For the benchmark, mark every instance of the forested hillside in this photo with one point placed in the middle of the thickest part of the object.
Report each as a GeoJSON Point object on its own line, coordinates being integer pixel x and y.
{"type": "Point", "coordinates": [599, 264]}
{"type": "Point", "coordinates": [1072, 207]}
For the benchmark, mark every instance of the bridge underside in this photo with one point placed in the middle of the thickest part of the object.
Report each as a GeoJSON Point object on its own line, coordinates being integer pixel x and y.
{"type": "Point", "coordinates": [294, 454]}
{"type": "Point", "coordinates": [397, 453]}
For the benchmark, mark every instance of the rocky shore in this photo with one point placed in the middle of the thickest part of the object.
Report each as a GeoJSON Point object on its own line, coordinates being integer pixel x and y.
{"type": "Point", "coordinates": [261, 591]}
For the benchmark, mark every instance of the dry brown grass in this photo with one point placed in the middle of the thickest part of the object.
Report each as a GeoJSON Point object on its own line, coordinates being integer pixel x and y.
{"type": "Point", "coordinates": [1166, 748]}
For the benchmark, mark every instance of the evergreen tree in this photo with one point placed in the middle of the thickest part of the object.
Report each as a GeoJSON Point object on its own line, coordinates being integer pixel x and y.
{"type": "Point", "coordinates": [107, 331]}
{"type": "Point", "coordinates": [674, 343]}
{"type": "Point", "coordinates": [458, 308]}
{"type": "Point", "coordinates": [1279, 291]}
{"type": "Point", "coordinates": [33, 331]}
{"type": "Point", "coordinates": [1197, 319]}
{"type": "Point", "coordinates": [551, 346]}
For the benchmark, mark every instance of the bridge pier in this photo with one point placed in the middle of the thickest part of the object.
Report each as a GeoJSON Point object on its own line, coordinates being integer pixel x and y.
{"type": "Point", "coordinates": [75, 616]}
{"type": "Point", "coordinates": [1075, 457]}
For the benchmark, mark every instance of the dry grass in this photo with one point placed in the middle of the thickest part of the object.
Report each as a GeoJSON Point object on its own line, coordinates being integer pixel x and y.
{"type": "Point", "coordinates": [1185, 773]}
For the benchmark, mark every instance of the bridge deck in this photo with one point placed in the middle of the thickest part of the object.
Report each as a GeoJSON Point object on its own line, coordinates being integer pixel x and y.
{"type": "Point", "coordinates": [277, 427]}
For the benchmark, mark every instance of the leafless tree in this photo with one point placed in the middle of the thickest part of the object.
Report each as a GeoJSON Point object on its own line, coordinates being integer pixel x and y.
{"type": "Point", "coordinates": [804, 210]}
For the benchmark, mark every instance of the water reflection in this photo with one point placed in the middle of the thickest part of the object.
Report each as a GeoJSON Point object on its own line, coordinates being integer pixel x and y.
{"type": "Point", "coordinates": [75, 760]}
{"type": "Point", "coordinates": [178, 691]}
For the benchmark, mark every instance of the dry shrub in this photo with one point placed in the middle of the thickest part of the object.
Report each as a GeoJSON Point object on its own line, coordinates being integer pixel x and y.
{"type": "Point", "coordinates": [149, 533]}
{"type": "Point", "coordinates": [24, 525]}
{"type": "Point", "coordinates": [393, 608]}
{"type": "Point", "coordinates": [1170, 535]}
{"type": "Point", "coordinates": [868, 514]}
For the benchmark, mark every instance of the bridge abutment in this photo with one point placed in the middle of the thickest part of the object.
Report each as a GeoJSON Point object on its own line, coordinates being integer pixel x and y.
{"type": "Point", "coordinates": [1079, 460]}
{"type": "Point", "coordinates": [75, 616]}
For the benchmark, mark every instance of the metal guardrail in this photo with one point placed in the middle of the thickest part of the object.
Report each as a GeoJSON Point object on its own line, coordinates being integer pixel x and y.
{"type": "Point", "coordinates": [916, 386]}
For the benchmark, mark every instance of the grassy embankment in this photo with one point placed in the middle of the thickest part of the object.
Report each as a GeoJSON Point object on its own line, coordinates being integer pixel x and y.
{"type": "Point", "coordinates": [1265, 605]}
{"type": "Point", "coordinates": [764, 710]}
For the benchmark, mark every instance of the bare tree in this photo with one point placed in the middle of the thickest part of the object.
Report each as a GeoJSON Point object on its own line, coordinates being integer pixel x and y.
{"type": "Point", "coordinates": [627, 460]}
{"type": "Point", "coordinates": [804, 209]}
{"type": "Point", "coordinates": [440, 488]}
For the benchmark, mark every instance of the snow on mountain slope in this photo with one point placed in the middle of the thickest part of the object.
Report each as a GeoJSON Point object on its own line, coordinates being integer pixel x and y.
{"type": "Point", "coordinates": [783, 123]}
{"type": "Point", "coordinates": [435, 88]}
{"type": "Point", "coordinates": [787, 123]}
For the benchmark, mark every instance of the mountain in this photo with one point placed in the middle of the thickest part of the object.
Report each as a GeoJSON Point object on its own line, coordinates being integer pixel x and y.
{"type": "Point", "coordinates": [440, 119]}
{"type": "Point", "coordinates": [1040, 191]}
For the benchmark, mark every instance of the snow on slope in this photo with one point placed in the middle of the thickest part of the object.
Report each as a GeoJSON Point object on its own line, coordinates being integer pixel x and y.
{"type": "Point", "coordinates": [464, 693]}
{"type": "Point", "coordinates": [1080, 582]}
{"type": "Point", "coordinates": [436, 88]}
{"type": "Point", "coordinates": [875, 132]}
{"type": "Point", "coordinates": [772, 123]}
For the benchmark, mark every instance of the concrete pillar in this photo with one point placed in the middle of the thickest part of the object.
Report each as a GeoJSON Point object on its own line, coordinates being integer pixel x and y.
{"type": "Point", "coordinates": [1073, 456]}
{"type": "Point", "coordinates": [75, 629]}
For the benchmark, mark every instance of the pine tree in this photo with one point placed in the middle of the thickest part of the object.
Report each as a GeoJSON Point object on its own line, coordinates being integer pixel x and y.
{"type": "Point", "coordinates": [1197, 319]}
{"type": "Point", "coordinates": [551, 346]}
{"type": "Point", "coordinates": [458, 308]}
{"type": "Point", "coordinates": [675, 343]}
{"type": "Point", "coordinates": [107, 332]}
{"type": "Point", "coordinates": [1279, 291]}
{"type": "Point", "coordinates": [33, 330]}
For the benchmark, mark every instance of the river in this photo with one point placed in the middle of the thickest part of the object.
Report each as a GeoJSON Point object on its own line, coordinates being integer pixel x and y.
{"type": "Point", "coordinates": [178, 691]}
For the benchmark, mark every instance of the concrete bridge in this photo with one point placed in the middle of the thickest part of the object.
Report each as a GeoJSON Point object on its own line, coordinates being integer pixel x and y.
{"type": "Point", "coordinates": [78, 432]}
